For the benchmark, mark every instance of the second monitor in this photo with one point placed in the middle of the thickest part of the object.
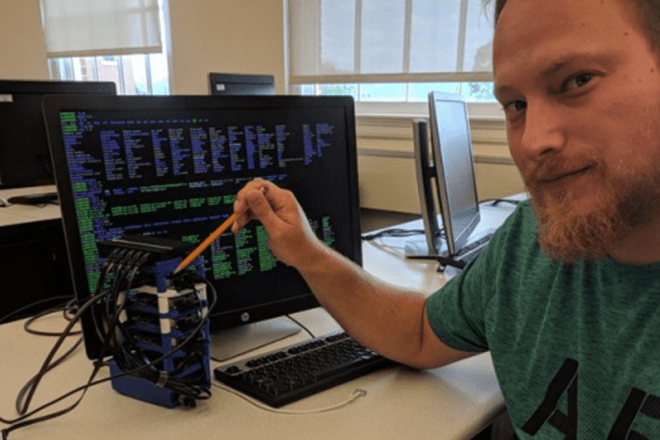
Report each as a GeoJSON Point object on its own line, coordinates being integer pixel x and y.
{"type": "Point", "coordinates": [448, 174]}
{"type": "Point", "coordinates": [241, 84]}
{"type": "Point", "coordinates": [24, 155]}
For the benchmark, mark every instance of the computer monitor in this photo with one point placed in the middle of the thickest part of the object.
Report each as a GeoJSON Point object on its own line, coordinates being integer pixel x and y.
{"type": "Point", "coordinates": [241, 84]}
{"type": "Point", "coordinates": [171, 166]}
{"type": "Point", "coordinates": [451, 168]}
{"type": "Point", "coordinates": [24, 154]}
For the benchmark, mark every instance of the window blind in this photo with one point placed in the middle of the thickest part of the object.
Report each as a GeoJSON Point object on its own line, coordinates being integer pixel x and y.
{"type": "Point", "coordinates": [380, 41]}
{"type": "Point", "coordinates": [79, 28]}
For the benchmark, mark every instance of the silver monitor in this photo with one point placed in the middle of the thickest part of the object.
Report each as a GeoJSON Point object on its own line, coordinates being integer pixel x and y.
{"type": "Point", "coordinates": [452, 169]}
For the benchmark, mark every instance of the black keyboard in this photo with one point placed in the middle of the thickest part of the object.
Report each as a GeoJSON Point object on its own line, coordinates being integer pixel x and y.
{"type": "Point", "coordinates": [471, 250]}
{"type": "Point", "coordinates": [281, 377]}
{"type": "Point", "coordinates": [34, 199]}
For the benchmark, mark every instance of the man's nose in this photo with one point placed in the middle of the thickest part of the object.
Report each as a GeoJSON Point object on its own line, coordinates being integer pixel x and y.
{"type": "Point", "coordinates": [544, 130]}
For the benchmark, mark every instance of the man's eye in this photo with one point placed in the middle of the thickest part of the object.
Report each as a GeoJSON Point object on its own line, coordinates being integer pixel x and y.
{"type": "Point", "coordinates": [515, 106]}
{"type": "Point", "coordinates": [576, 81]}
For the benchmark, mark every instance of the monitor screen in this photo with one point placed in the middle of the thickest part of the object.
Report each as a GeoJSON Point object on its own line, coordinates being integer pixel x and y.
{"type": "Point", "coordinates": [171, 166]}
{"type": "Point", "coordinates": [241, 84]}
{"type": "Point", "coordinates": [24, 154]}
{"type": "Point", "coordinates": [452, 154]}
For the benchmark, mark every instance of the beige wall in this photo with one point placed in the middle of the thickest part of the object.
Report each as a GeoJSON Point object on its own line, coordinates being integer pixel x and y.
{"type": "Point", "coordinates": [386, 165]}
{"type": "Point", "coordinates": [232, 36]}
{"type": "Point", "coordinates": [22, 46]}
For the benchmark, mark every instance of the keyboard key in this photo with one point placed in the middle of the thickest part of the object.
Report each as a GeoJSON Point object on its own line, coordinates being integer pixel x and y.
{"type": "Point", "coordinates": [481, 242]}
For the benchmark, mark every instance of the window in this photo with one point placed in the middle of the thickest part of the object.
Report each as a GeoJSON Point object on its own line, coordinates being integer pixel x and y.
{"type": "Point", "coordinates": [144, 74]}
{"type": "Point", "coordinates": [97, 40]}
{"type": "Point", "coordinates": [391, 51]}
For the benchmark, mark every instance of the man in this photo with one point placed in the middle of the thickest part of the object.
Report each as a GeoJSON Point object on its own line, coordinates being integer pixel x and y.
{"type": "Point", "coordinates": [567, 295]}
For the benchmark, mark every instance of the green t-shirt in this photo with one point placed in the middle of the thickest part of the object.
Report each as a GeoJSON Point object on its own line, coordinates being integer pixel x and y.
{"type": "Point", "coordinates": [576, 348]}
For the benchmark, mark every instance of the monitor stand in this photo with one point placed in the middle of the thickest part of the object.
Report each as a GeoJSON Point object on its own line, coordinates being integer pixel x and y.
{"type": "Point", "coordinates": [229, 343]}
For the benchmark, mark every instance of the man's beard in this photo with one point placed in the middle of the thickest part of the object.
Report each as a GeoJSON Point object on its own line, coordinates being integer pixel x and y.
{"type": "Point", "coordinates": [625, 199]}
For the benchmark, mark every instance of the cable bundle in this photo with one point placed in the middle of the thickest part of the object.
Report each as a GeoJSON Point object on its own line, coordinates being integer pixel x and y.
{"type": "Point", "coordinates": [186, 378]}
{"type": "Point", "coordinates": [158, 331]}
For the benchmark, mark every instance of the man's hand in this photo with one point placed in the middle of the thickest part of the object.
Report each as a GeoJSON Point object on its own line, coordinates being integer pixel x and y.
{"type": "Point", "coordinates": [390, 320]}
{"type": "Point", "coordinates": [291, 239]}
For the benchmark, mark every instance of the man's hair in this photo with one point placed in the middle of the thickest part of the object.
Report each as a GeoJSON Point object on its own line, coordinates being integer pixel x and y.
{"type": "Point", "coordinates": [647, 12]}
{"type": "Point", "coordinates": [499, 4]}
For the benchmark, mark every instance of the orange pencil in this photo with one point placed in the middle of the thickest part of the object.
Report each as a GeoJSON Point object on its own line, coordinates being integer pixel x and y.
{"type": "Point", "coordinates": [206, 243]}
{"type": "Point", "coordinates": [211, 238]}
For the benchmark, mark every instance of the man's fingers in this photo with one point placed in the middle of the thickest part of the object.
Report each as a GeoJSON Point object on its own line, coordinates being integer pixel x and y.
{"type": "Point", "coordinates": [241, 220]}
{"type": "Point", "coordinates": [260, 208]}
{"type": "Point", "coordinates": [241, 206]}
{"type": "Point", "coordinates": [251, 198]}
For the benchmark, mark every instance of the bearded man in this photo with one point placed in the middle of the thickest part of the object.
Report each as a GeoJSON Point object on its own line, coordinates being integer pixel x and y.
{"type": "Point", "coordinates": [567, 295]}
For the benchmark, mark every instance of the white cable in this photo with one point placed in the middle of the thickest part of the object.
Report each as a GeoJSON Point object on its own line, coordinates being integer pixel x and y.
{"type": "Point", "coordinates": [357, 393]}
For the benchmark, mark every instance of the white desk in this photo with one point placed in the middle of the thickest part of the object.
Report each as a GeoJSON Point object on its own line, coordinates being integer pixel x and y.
{"type": "Point", "coordinates": [453, 402]}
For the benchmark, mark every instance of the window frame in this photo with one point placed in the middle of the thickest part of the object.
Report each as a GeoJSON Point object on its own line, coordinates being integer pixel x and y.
{"type": "Point", "coordinates": [54, 71]}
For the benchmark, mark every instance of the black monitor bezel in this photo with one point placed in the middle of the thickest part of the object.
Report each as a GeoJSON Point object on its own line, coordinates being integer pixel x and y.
{"type": "Point", "coordinates": [43, 88]}
{"type": "Point", "coordinates": [53, 105]}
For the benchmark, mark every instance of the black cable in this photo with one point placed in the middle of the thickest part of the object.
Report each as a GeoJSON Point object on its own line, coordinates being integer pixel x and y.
{"type": "Point", "coordinates": [70, 309]}
{"type": "Point", "coordinates": [495, 202]}
{"type": "Point", "coordinates": [398, 232]}
{"type": "Point", "coordinates": [19, 423]}
{"type": "Point", "coordinates": [109, 265]}
{"type": "Point", "coordinates": [443, 260]}
{"type": "Point", "coordinates": [32, 386]}
{"type": "Point", "coordinates": [33, 304]}
{"type": "Point", "coordinates": [46, 364]}
{"type": "Point", "coordinates": [123, 277]}
{"type": "Point", "coordinates": [301, 325]}
{"type": "Point", "coordinates": [127, 357]}
{"type": "Point", "coordinates": [67, 307]}
{"type": "Point", "coordinates": [123, 357]}
{"type": "Point", "coordinates": [21, 394]}
{"type": "Point", "coordinates": [392, 232]}
{"type": "Point", "coordinates": [27, 324]}
{"type": "Point", "coordinates": [184, 387]}
{"type": "Point", "coordinates": [97, 366]}
{"type": "Point", "coordinates": [105, 270]}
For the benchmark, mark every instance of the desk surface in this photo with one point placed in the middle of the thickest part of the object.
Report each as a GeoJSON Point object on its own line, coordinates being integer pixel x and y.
{"type": "Point", "coordinates": [452, 402]}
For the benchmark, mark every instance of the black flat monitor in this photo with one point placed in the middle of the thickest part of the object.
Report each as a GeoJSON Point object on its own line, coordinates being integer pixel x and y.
{"type": "Point", "coordinates": [449, 165]}
{"type": "Point", "coordinates": [24, 154]}
{"type": "Point", "coordinates": [241, 84]}
{"type": "Point", "coordinates": [171, 166]}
